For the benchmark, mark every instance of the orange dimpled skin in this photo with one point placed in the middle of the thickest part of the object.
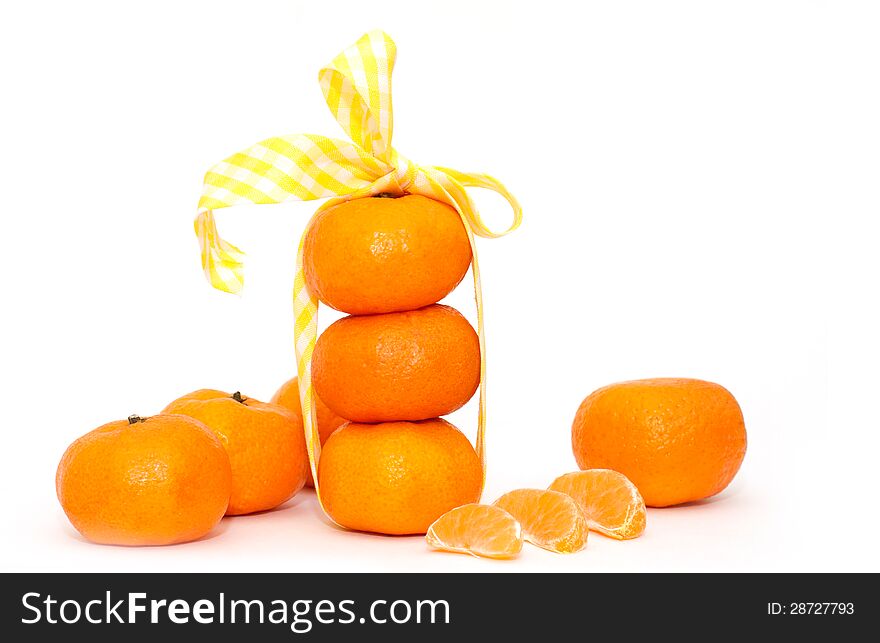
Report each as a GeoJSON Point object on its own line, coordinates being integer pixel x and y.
{"type": "Point", "coordinates": [288, 397]}
{"type": "Point", "coordinates": [160, 480]}
{"type": "Point", "coordinates": [264, 442]}
{"type": "Point", "coordinates": [678, 440]}
{"type": "Point", "coordinates": [411, 365]}
{"type": "Point", "coordinates": [399, 477]}
{"type": "Point", "coordinates": [380, 255]}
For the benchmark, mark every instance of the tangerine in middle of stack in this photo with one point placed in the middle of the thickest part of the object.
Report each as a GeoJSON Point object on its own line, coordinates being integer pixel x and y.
{"type": "Point", "coordinates": [411, 365]}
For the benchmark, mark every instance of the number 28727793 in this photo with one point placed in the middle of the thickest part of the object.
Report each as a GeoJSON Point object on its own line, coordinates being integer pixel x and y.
{"type": "Point", "coordinates": [810, 608]}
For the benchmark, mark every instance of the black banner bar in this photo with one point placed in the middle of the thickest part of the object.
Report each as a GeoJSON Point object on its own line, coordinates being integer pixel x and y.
{"type": "Point", "coordinates": [315, 607]}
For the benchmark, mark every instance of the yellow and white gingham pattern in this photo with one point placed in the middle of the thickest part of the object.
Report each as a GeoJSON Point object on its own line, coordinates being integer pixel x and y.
{"type": "Point", "coordinates": [357, 88]}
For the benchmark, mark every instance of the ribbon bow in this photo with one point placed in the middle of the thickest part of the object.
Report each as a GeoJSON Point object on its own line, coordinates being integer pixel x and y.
{"type": "Point", "coordinates": [357, 88]}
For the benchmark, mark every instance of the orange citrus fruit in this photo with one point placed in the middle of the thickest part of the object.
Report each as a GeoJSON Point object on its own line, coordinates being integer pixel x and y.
{"type": "Point", "coordinates": [288, 397]}
{"type": "Point", "coordinates": [159, 480]}
{"type": "Point", "coordinates": [549, 519]}
{"type": "Point", "coordinates": [480, 530]}
{"type": "Point", "coordinates": [611, 503]}
{"type": "Point", "coordinates": [678, 440]}
{"type": "Point", "coordinates": [411, 365]}
{"type": "Point", "coordinates": [397, 477]}
{"type": "Point", "coordinates": [264, 441]}
{"type": "Point", "coordinates": [380, 255]}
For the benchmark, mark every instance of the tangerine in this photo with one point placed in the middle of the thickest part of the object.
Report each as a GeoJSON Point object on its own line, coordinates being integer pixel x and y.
{"type": "Point", "coordinates": [411, 365]}
{"type": "Point", "coordinates": [381, 255]}
{"type": "Point", "coordinates": [159, 480]}
{"type": "Point", "coordinates": [264, 441]}
{"type": "Point", "coordinates": [397, 477]}
{"type": "Point", "coordinates": [678, 440]}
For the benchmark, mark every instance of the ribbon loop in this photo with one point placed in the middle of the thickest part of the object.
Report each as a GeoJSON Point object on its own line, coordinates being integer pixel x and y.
{"type": "Point", "coordinates": [357, 88]}
{"type": "Point", "coordinates": [466, 180]}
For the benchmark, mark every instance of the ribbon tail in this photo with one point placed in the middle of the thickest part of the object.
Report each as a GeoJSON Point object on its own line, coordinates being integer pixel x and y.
{"type": "Point", "coordinates": [481, 335]}
{"type": "Point", "coordinates": [301, 167]}
{"type": "Point", "coordinates": [357, 89]}
{"type": "Point", "coordinates": [222, 262]}
{"type": "Point", "coordinates": [305, 313]}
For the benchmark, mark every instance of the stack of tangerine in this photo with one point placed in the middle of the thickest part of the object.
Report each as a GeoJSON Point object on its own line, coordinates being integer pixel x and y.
{"type": "Point", "coordinates": [396, 364]}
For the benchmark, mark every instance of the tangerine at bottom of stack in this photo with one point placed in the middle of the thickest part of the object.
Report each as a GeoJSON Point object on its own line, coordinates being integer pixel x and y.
{"type": "Point", "coordinates": [397, 477]}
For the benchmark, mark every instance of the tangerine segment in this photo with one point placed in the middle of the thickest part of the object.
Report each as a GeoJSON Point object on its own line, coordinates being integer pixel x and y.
{"type": "Point", "coordinates": [550, 519]}
{"type": "Point", "coordinates": [611, 503]}
{"type": "Point", "coordinates": [486, 531]}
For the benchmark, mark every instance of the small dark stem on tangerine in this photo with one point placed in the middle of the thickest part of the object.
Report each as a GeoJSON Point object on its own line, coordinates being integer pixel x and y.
{"type": "Point", "coordinates": [386, 195]}
{"type": "Point", "coordinates": [238, 397]}
{"type": "Point", "coordinates": [134, 419]}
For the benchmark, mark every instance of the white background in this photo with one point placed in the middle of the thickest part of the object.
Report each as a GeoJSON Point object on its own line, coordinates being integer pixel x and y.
{"type": "Point", "coordinates": [699, 182]}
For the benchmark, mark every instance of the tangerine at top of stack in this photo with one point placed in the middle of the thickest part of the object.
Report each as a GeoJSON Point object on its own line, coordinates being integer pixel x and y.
{"type": "Point", "coordinates": [382, 255]}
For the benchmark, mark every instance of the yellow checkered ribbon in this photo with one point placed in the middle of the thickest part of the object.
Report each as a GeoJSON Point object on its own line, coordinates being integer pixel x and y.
{"type": "Point", "coordinates": [357, 88]}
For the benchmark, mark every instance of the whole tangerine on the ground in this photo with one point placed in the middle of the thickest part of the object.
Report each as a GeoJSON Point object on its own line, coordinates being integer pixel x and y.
{"type": "Point", "coordinates": [485, 531]}
{"type": "Point", "coordinates": [549, 519]}
{"type": "Point", "coordinates": [411, 365]}
{"type": "Point", "coordinates": [288, 397]}
{"type": "Point", "coordinates": [159, 480]}
{"type": "Point", "coordinates": [397, 477]}
{"type": "Point", "coordinates": [610, 503]}
{"type": "Point", "coordinates": [264, 441]}
{"type": "Point", "coordinates": [678, 440]}
{"type": "Point", "coordinates": [380, 255]}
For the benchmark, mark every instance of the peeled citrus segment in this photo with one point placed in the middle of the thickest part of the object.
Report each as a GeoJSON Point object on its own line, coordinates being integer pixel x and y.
{"type": "Point", "coordinates": [479, 530]}
{"type": "Point", "coordinates": [549, 519]}
{"type": "Point", "coordinates": [611, 503]}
